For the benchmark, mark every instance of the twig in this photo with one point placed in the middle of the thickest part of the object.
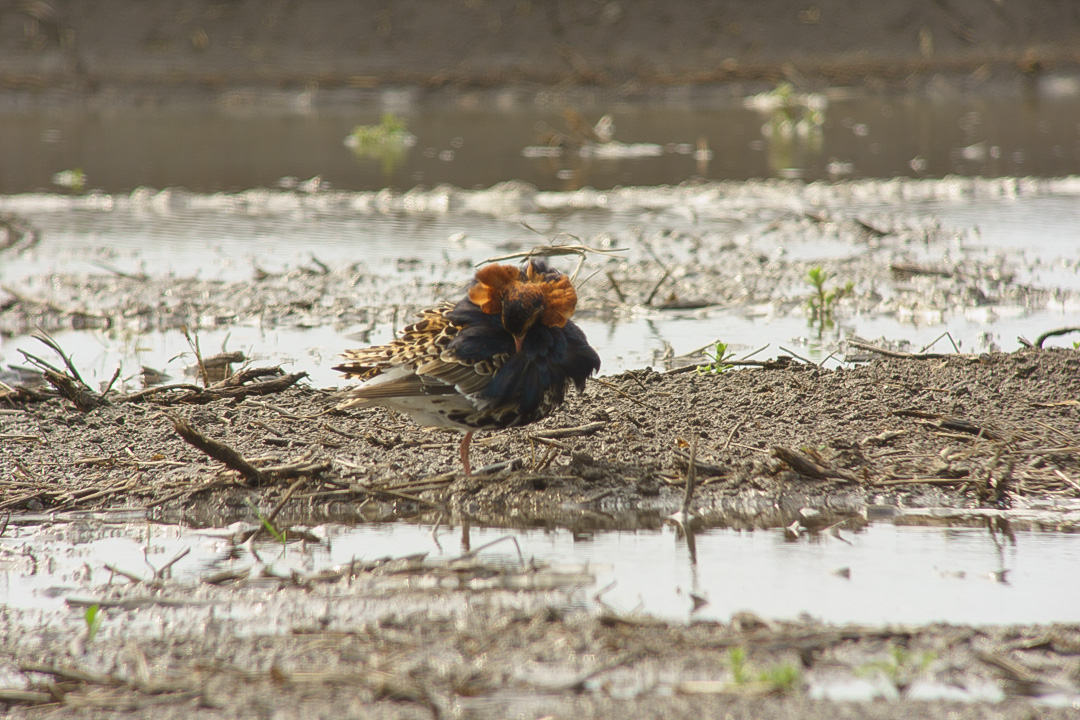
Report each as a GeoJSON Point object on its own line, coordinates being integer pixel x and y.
{"type": "Point", "coordinates": [731, 434]}
{"type": "Point", "coordinates": [70, 387]}
{"type": "Point", "coordinates": [26, 697]}
{"type": "Point", "coordinates": [805, 466]}
{"type": "Point", "coordinates": [111, 382]}
{"type": "Point", "coordinates": [292, 416]}
{"type": "Point", "coordinates": [21, 438]}
{"type": "Point", "coordinates": [626, 395]}
{"type": "Point", "coordinates": [225, 389]}
{"type": "Point", "coordinates": [656, 287]}
{"type": "Point", "coordinates": [217, 450]}
{"type": "Point", "coordinates": [268, 520]}
{"type": "Point", "coordinates": [1053, 333]}
{"type": "Point", "coordinates": [323, 269]}
{"type": "Point", "coordinates": [579, 685]}
{"type": "Point", "coordinates": [140, 277]}
{"type": "Point", "coordinates": [84, 676]}
{"type": "Point", "coordinates": [160, 572]}
{"type": "Point", "coordinates": [1075, 485]}
{"type": "Point", "coordinates": [198, 355]}
{"type": "Point", "coordinates": [896, 353]}
{"type": "Point", "coordinates": [139, 395]}
{"type": "Point", "coordinates": [56, 308]}
{"type": "Point", "coordinates": [47, 339]}
{"type": "Point", "coordinates": [587, 429]}
{"type": "Point", "coordinates": [923, 481]}
{"type": "Point", "coordinates": [932, 344]}
{"type": "Point", "coordinates": [124, 573]}
{"type": "Point", "coordinates": [285, 499]}
{"type": "Point", "coordinates": [691, 477]}
{"type": "Point", "coordinates": [477, 550]}
{"type": "Point", "coordinates": [795, 355]}
{"type": "Point", "coordinates": [1051, 428]}
{"type": "Point", "coordinates": [748, 355]}
{"type": "Point", "coordinates": [552, 251]}
{"type": "Point", "coordinates": [615, 286]}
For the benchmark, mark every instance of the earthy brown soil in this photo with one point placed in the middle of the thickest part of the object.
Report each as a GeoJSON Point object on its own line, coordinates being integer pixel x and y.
{"type": "Point", "coordinates": [986, 431]}
{"type": "Point", "coordinates": [544, 662]}
{"type": "Point", "coordinates": [120, 46]}
{"type": "Point", "coordinates": [964, 431]}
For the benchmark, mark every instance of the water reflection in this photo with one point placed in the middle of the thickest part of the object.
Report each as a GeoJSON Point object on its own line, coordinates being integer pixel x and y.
{"type": "Point", "coordinates": [468, 141]}
{"type": "Point", "coordinates": [878, 573]}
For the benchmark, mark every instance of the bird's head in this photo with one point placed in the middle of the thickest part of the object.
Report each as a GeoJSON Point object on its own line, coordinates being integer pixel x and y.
{"type": "Point", "coordinates": [524, 297]}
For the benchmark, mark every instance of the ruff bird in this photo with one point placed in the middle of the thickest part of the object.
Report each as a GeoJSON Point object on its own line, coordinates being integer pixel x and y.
{"type": "Point", "coordinates": [503, 356]}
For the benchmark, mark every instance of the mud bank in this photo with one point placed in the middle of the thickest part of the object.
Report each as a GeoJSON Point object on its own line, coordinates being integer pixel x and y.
{"type": "Point", "coordinates": [991, 431]}
{"type": "Point", "coordinates": [991, 436]}
{"type": "Point", "coordinates": [156, 48]}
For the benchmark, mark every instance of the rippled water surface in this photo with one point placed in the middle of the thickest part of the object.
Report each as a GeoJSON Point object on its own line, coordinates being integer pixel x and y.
{"type": "Point", "coordinates": [884, 573]}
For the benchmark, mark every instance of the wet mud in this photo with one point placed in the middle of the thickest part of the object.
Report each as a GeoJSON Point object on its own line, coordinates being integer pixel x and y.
{"type": "Point", "coordinates": [759, 441]}
{"type": "Point", "coordinates": [983, 439]}
{"type": "Point", "coordinates": [783, 444]}
{"type": "Point", "coordinates": [987, 430]}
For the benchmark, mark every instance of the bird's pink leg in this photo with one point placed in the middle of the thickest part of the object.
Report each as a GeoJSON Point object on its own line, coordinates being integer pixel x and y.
{"type": "Point", "coordinates": [465, 452]}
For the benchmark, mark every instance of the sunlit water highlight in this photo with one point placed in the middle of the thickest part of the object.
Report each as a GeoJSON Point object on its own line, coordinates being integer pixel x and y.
{"type": "Point", "coordinates": [881, 574]}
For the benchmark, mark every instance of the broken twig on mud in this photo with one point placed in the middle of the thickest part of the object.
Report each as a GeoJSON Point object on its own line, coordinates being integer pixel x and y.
{"type": "Point", "coordinates": [217, 450]}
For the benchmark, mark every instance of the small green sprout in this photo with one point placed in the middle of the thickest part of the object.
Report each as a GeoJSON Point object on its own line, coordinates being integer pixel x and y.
{"type": "Point", "coordinates": [279, 535]}
{"type": "Point", "coordinates": [74, 180]}
{"type": "Point", "coordinates": [822, 300]}
{"type": "Point", "coordinates": [777, 679]}
{"type": "Point", "coordinates": [902, 666]}
{"type": "Point", "coordinates": [781, 678]}
{"type": "Point", "coordinates": [391, 131]}
{"type": "Point", "coordinates": [93, 617]}
{"type": "Point", "coordinates": [718, 356]}
{"type": "Point", "coordinates": [739, 671]}
{"type": "Point", "coordinates": [388, 142]}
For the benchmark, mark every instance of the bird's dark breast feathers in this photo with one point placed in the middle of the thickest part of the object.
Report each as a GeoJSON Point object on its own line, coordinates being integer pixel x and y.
{"type": "Point", "coordinates": [527, 385]}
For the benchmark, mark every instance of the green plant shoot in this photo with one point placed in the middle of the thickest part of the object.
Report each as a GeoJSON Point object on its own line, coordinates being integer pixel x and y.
{"type": "Point", "coordinates": [93, 617]}
{"type": "Point", "coordinates": [718, 357]}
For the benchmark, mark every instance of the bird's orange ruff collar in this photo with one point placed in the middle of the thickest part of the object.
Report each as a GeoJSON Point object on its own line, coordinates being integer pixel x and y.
{"type": "Point", "coordinates": [498, 283]}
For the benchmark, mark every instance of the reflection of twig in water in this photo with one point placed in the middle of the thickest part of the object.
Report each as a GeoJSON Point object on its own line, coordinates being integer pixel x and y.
{"type": "Point", "coordinates": [485, 546]}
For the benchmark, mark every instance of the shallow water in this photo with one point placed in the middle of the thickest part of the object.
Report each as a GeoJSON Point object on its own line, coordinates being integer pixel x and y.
{"type": "Point", "coordinates": [884, 573]}
{"type": "Point", "coordinates": [213, 225]}
{"type": "Point", "coordinates": [245, 140]}
{"type": "Point", "coordinates": [1032, 234]}
{"type": "Point", "coordinates": [220, 229]}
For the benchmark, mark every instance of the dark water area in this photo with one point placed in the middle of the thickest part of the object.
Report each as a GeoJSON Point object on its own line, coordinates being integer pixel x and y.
{"type": "Point", "coordinates": [240, 140]}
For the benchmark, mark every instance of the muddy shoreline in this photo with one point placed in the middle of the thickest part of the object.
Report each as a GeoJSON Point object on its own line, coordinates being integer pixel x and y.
{"type": "Point", "coordinates": [159, 49]}
{"type": "Point", "coordinates": [988, 430]}
{"type": "Point", "coordinates": [982, 440]}
{"type": "Point", "coordinates": [958, 439]}
{"type": "Point", "coordinates": [784, 445]}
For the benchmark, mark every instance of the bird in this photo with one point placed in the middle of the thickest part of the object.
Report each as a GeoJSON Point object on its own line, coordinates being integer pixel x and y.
{"type": "Point", "coordinates": [503, 356]}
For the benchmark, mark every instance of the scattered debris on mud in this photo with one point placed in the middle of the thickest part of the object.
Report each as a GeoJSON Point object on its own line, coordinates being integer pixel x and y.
{"type": "Point", "coordinates": [985, 430]}
{"type": "Point", "coordinates": [986, 440]}
{"type": "Point", "coordinates": [782, 444]}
